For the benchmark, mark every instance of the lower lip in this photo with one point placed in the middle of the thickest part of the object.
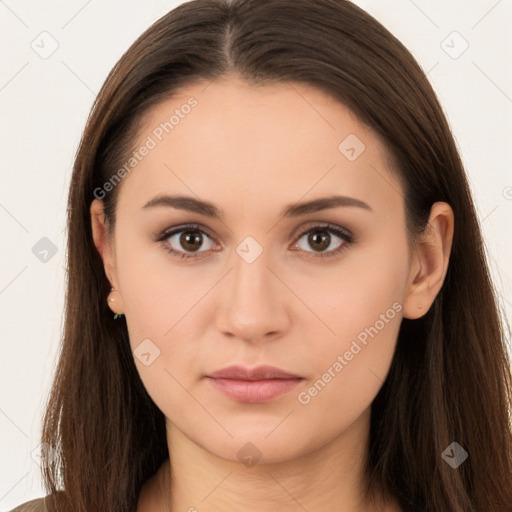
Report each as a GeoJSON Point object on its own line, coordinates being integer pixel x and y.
{"type": "Point", "coordinates": [254, 391]}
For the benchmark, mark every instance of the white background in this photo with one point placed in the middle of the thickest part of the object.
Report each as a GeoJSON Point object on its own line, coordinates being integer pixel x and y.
{"type": "Point", "coordinates": [44, 104]}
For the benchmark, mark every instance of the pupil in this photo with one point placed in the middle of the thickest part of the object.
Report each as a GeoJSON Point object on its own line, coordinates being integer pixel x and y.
{"type": "Point", "coordinates": [323, 240]}
{"type": "Point", "coordinates": [187, 240]}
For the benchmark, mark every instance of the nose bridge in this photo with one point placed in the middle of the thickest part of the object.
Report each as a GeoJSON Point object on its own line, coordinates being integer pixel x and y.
{"type": "Point", "coordinates": [253, 306]}
{"type": "Point", "coordinates": [251, 279]}
{"type": "Point", "coordinates": [251, 276]}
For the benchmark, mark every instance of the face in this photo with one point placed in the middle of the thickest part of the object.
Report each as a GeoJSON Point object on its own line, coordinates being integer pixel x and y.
{"type": "Point", "coordinates": [315, 292]}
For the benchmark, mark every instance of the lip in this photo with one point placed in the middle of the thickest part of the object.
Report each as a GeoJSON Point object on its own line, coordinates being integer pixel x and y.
{"type": "Point", "coordinates": [258, 373]}
{"type": "Point", "coordinates": [253, 385]}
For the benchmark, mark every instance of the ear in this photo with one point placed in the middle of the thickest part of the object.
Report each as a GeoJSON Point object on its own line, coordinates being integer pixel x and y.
{"type": "Point", "coordinates": [430, 261]}
{"type": "Point", "coordinates": [105, 246]}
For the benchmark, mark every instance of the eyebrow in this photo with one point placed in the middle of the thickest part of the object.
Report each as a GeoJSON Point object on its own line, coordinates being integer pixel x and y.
{"type": "Point", "coordinates": [208, 209]}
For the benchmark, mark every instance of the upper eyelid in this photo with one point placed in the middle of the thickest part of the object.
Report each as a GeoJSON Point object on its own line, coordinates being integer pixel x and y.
{"type": "Point", "coordinates": [166, 233]}
{"type": "Point", "coordinates": [328, 226]}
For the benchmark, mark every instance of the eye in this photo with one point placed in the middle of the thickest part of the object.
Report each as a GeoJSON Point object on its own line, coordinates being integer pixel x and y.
{"type": "Point", "coordinates": [322, 237]}
{"type": "Point", "coordinates": [184, 241]}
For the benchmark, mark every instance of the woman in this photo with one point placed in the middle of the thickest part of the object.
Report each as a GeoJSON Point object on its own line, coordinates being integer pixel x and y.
{"type": "Point", "coordinates": [277, 288]}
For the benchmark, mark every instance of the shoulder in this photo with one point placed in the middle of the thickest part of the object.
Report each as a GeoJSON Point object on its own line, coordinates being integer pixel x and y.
{"type": "Point", "coordinates": [37, 505]}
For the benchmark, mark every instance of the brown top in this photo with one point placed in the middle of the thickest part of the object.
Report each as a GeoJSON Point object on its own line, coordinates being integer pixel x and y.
{"type": "Point", "coordinates": [36, 505]}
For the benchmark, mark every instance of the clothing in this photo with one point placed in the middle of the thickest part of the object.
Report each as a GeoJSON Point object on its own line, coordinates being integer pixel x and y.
{"type": "Point", "coordinates": [36, 505]}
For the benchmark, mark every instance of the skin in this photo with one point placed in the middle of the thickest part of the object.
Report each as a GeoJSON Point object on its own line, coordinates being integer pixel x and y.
{"type": "Point", "coordinates": [251, 151]}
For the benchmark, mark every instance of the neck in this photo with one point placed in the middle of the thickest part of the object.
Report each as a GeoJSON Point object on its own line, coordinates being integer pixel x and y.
{"type": "Point", "coordinates": [330, 478]}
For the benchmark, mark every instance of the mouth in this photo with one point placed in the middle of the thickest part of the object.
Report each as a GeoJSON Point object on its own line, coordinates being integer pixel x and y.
{"type": "Point", "coordinates": [256, 385]}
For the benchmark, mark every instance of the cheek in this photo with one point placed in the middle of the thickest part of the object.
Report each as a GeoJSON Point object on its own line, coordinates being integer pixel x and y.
{"type": "Point", "coordinates": [161, 302]}
{"type": "Point", "coordinates": [361, 303]}
{"type": "Point", "coordinates": [364, 288]}
{"type": "Point", "coordinates": [351, 368]}
{"type": "Point", "coordinates": [157, 302]}
{"type": "Point", "coordinates": [157, 292]}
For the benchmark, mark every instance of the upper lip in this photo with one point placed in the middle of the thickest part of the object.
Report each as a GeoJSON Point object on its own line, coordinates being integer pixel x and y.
{"type": "Point", "coordinates": [258, 373]}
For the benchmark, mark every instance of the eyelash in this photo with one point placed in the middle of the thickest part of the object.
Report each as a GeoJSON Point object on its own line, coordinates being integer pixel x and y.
{"type": "Point", "coordinates": [345, 235]}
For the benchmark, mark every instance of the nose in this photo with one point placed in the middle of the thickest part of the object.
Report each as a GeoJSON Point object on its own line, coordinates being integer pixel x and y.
{"type": "Point", "coordinates": [254, 306]}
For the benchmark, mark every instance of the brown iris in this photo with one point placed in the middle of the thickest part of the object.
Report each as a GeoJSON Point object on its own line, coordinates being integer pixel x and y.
{"type": "Point", "coordinates": [316, 237]}
{"type": "Point", "coordinates": [189, 238]}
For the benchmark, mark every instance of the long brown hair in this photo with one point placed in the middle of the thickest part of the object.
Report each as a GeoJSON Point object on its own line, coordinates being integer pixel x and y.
{"type": "Point", "coordinates": [450, 379]}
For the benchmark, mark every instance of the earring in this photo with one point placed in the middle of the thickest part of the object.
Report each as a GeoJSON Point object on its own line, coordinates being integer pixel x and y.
{"type": "Point", "coordinates": [111, 299]}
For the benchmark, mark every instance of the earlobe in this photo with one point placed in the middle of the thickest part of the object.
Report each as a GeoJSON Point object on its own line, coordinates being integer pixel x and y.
{"type": "Point", "coordinates": [430, 261]}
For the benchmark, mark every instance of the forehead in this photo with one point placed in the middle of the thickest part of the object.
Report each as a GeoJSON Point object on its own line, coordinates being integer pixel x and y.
{"type": "Point", "coordinates": [282, 141]}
